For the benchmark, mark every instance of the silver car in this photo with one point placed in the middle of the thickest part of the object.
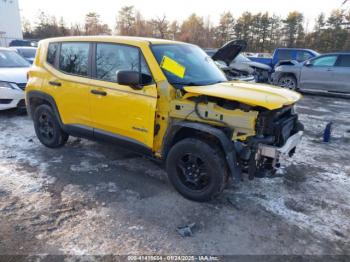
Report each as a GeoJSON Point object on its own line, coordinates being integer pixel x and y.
{"type": "Point", "coordinates": [329, 72]}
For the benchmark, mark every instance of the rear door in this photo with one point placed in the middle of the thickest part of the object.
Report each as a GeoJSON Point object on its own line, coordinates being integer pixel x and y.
{"type": "Point", "coordinates": [69, 82]}
{"type": "Point", "coordinates": [319, 73]}
{"type": "Point", "coordinates": [342, 74]}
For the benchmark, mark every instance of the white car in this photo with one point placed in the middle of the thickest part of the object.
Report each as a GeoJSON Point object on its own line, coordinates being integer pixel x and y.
{"type": "Point", "coordinates": [27, 52]}
{"type": "Point", "coordinates": [13, 79]}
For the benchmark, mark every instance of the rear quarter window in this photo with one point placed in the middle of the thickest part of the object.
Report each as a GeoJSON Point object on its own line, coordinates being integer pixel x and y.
{"type": "Point", "coordinates": [51, 53]}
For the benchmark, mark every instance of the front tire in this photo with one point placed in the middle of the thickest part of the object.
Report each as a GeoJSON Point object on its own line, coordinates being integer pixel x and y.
{"type": "Point", "coordinates": [47, 127]}
{"type": "Point", "coordinates": [196, 169]}
{"type": "Point", "coordinates": [288, 81]}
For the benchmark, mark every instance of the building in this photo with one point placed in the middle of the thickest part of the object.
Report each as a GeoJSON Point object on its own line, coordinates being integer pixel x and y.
{"type": "Point", "coordinates": [10, 22]}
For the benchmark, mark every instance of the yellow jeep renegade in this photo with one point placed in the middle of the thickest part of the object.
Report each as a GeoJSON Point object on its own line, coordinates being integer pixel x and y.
{"type": "Point", "coordinates": [166, 99]}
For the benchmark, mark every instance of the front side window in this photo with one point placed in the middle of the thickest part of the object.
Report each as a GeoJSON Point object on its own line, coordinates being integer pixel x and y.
{"type": "Point", "coordinates": [74, 58]}
{"type": "Point", "coordinates": [185, 64]}
{"type": "Point", "coordinates": [111, 58]}
{"type": "Point", "coordinates": [325, 61]}
{"type": "Point", "coordinates": [12, 59]}
{"type": "Point", "coordinates": [344, 61]}
{"type": "Point", "coordinates": [51, 53]}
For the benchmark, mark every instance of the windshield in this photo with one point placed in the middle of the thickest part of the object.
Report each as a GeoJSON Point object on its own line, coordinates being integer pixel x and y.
{"type": "Point", "coordinates": [27, 53]}
{"type": "Point", "coordinates": [241, 59]}
{"type": "Point", "coordinates": [185, 64]}
{"type": "Point", "coordinates": [12, 59]}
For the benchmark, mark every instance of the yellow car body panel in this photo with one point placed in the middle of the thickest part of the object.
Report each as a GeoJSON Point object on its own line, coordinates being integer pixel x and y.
{"type": "Point", "coordinates": [124, 111]}
{"type": "Point", "coordinates": [133, 113]}
{"type": "Point", "coordinates": [266, 96]}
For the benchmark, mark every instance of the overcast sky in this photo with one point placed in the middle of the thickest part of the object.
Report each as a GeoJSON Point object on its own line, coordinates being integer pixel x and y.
{"type": "Point", "coordinates": [75, 10]}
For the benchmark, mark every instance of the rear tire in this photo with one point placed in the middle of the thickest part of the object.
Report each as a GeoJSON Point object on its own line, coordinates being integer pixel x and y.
{"type": "Point", "coordinates": [47, 127]}
{"type": "Point", "coordinates": [197, 170]}
{"type": "Point", "coordinates": [288, 81]}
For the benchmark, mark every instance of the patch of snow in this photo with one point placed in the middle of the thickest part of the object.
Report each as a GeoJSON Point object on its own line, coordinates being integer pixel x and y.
{"type": "Point", "coordinates": [327, 208]}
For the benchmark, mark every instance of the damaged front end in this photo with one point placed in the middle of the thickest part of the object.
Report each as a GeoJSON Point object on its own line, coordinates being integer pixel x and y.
{"type": "Point", "coordinates": [260, 135]}
{"type": "Point", "coordinates": [278, 132]}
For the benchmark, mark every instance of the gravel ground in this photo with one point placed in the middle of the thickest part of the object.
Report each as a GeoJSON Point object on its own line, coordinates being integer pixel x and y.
{"type": "Point", "coordinates": [89, 198]}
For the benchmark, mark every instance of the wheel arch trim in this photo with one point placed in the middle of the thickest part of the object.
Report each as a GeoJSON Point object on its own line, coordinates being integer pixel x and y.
{"type": "Point", "coordinates": [225, 143]}
{"type": "Point", "coordinates": [46, 97]}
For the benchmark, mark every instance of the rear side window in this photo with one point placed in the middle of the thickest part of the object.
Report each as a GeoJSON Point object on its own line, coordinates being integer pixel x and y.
{"type": "Point", "coordinates": [344, 61]}
{"type": "Point", "coordinates": [284, 55]}
{"type": "Point", "coordinates": [74, 58]}
{"type": "Point", "coordinates": [51, 53]}
{"type": "Point", "coordinates": [111, 58]}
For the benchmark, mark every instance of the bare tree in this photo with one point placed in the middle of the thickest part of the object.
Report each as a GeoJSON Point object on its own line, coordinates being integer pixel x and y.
{"type": "Point", "coordinates": [160, 25]}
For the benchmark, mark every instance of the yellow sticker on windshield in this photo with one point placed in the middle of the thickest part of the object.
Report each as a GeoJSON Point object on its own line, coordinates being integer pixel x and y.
{"type": "Point", "coordinates": [173, 67]}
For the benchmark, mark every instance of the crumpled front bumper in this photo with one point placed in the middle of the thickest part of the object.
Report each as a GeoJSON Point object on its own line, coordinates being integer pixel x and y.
{"type": "Point", "coordinates": [276, 152]}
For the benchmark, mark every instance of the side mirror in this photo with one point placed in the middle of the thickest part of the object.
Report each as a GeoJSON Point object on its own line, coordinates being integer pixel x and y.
{"type": "Point", "coordinates": [129, 78]}
{"type": "Point", "coordinates": [308, 63]}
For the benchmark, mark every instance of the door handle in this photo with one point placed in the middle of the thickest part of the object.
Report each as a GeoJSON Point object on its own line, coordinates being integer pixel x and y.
{"type": "Point", "coordinates": [54, 83]}
{"type": "Point", "coordinates": [330, 70]}
{"type": "Point", "coordinates": [99, 93]}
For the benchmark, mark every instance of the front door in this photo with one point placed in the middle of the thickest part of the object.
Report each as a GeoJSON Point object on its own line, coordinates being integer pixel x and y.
{"type": "Point", "coordinates": [117, 110]}
{"type": "Point", "coordinates": [319, 73]}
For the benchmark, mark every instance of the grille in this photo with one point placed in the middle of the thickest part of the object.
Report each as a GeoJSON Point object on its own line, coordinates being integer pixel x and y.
{"type": "Point", "coordinates": [22, 85]}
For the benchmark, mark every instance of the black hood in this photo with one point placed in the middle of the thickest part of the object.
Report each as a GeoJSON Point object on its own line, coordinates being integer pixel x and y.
{"type": "Point", "coordinates": [230, 51]}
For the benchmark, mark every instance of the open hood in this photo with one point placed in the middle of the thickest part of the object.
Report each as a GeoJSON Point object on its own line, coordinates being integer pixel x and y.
{"type": "Point", "coordinates": [266, 96]}
{"type": "Point", "coordinates": [230, 51]}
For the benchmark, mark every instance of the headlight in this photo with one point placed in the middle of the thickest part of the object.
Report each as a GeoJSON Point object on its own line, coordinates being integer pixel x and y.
{"type": "Point", "coordinates": [9, 85]}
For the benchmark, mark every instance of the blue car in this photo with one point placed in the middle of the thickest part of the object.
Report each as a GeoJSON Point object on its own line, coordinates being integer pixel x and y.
{"type": "Point", "coordinates": [286, 54]}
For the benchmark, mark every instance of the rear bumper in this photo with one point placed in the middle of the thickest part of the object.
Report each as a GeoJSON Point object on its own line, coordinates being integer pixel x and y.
{"type": "Point", "coordinates": [277, 152]}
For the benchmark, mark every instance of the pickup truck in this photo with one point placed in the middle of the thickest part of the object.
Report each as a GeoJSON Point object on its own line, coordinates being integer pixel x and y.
{"type": "Point", "coordinates": [286, 54]}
